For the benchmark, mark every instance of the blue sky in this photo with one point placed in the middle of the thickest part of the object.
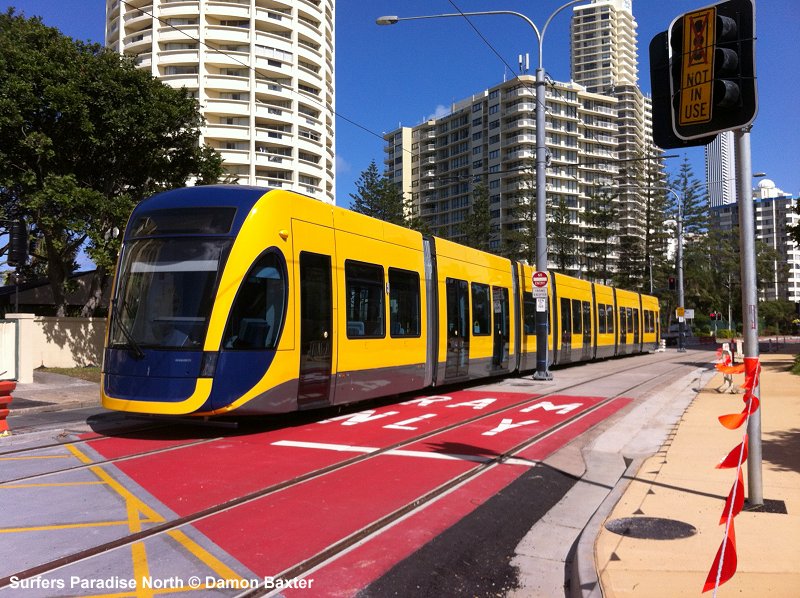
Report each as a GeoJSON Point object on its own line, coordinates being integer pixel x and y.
{"type": "Point", "coordinates": [388, 76]}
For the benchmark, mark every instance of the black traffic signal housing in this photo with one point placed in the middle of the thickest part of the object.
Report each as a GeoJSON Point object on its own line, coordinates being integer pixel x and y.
{"type": "Point", "coordinates": [660, 89]}
{"type": "Point", "coordinates": [715, 315]}
{"type": "Point", "coordinates": [672, 285]}
{"type": "Point", "coordinates": [712, 69]}
{"type": "Point", "coordinates": [17, 243]}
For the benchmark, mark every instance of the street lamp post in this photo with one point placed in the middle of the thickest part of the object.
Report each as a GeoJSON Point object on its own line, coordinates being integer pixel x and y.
{"type": "Point", "coordinates": [679, 259]}
{"type": "Point", "coordinates": [542, 371]}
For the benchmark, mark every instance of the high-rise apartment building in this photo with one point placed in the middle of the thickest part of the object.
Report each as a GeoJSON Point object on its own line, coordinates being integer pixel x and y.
{"type": "Point", "coordinates": [721, 170]}
{"type": "Point", "coordinates": [774, 212]}
{"type": "Point", "coordinates": [490, 138]}
{"type": "Point", "coordinates": [604, 59]}
{"type": "Point", "coordinates": [262, 72]}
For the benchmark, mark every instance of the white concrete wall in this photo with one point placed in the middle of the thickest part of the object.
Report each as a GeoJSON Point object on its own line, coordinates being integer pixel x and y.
{"type": "Point", "coordinates": [55, 342]}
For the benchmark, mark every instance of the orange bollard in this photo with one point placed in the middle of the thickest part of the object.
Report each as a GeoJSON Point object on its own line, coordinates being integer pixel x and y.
{"type": "Point", "coordinates": [6, 386]}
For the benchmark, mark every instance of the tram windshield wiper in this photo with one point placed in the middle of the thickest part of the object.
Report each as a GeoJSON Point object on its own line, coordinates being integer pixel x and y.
{"type": "Point", "coordinates": [132, 344]}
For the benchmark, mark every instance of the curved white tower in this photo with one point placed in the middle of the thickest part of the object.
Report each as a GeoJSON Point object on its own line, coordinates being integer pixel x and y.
{"type": "Point", "coordinates": [262, 71]}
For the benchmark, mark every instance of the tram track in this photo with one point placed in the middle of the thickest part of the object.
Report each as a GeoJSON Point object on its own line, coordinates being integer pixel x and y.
{"type": "Point", "coordinates": [329, 553]}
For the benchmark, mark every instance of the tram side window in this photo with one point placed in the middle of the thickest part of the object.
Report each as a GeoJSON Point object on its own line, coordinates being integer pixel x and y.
{"type": "Point", "coordinates": [364, 293]}
{"type": "Point", "coordinates": [622, 321]}
{"type": "Point", "coordinates": [629, 319]}
{"type": "Point", "coordinates": [257, 313]}
{"type": "Point", "coordinates": [481, 310]}
{"type": "Point", "coordinates": [610, 319]}
{"type": "Point", "coordinates": [566, 318]}
{"type": "Point", "coordinates": [576, 316]}
{"type": "Point", "coordinates": [529, 308]}
{"type": "Point", "coordinates": [601, 318]}
{"type": "Point", "coordinates": [404, 302]}
{"type": "Point", "coordinates": [587, 318]}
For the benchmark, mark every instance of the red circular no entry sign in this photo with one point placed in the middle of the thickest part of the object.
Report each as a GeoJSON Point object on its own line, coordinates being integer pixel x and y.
{"type": "Point", "coordinates": [539, 279]}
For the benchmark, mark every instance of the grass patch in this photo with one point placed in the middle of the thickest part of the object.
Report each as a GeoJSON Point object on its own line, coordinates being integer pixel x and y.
{"type": "Point", "coordinates": [91, 373]}
{"type": "Point", "coordinates": [796, 367]}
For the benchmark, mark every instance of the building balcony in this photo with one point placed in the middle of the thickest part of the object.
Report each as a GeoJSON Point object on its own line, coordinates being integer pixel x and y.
{"type": "Point", "coordinates": [228, 9]}
{"type": "Point", "coordinates": [189, 81]}
{"type": "Point", "coordinates": [239, 108]}
{"type": "Point", "coordinates": [138, 42]}
{"type": "Point", "coordinates": [175, 57]}
{"type": "Point", "coordinates": [232, 132]}
{"type": "Point", "coordinates": [264, 158]}
{"type": "Point", "coordinates": [521, 108]}
{"type": "Point", "coordinates": [227, 83]}
{"type": "Point", "coordinates": [136, 17]}
{"type": "Point", "coordinates": [218, 34]}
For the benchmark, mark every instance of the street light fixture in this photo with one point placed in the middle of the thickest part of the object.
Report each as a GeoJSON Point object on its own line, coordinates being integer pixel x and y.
{"type": "Point", "coordinates": [542, 372]}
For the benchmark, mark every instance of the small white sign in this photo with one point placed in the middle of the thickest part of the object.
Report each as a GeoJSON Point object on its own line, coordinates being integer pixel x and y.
{"type": "Point", "coordinates": [540, 292]}
{"type": "Point", "coordinates": [688, 314]}
{"type": "Point", "coordinates": [541, 304]}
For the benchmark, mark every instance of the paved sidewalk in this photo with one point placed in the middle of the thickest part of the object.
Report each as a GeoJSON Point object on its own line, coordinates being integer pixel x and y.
{"type": "Point", "coordinates": [680, 483]}
{"type": "Point", "coordinates": [53, 392]}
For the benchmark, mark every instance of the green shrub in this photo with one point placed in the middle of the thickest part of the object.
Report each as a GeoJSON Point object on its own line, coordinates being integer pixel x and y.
{"type": "Point", "coordinates": [796, 366]}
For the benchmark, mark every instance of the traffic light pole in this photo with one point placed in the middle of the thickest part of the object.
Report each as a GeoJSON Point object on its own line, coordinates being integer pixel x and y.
{"type": "Point", "coordinates": [747, 252]}
{"type": "Point", "coordinates": [681, 305]}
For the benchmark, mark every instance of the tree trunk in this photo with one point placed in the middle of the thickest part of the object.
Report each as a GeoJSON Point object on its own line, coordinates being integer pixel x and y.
{"type": "Point", "coordinates": [96, 288]}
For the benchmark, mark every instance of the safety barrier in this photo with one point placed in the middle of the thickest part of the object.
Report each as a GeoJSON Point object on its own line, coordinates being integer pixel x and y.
{"type": "Point", "coordinates": [6, 386]}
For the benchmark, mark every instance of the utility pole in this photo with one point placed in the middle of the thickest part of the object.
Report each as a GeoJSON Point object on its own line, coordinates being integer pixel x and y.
{"type": "Point", "coordinates": [747, 252]}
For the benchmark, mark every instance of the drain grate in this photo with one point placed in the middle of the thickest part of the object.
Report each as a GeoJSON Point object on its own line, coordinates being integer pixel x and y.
{"type": "Point", "coordinates": [651, 528]}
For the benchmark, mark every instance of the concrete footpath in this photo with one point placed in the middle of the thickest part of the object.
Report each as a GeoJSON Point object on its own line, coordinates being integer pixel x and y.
{"type": "Point", "coordinates": [53, 392]}
{"type": "Point", "coordinates": [680, 485]}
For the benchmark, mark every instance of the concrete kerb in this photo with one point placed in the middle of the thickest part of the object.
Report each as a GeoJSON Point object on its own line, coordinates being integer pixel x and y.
{"type": "Point", "coordinates": [670, 405]}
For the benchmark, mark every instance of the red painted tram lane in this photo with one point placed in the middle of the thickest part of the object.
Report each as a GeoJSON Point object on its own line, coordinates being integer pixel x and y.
{"type": "Point", "coordinates": [112, 447]}
{"type": "Point", "coordinates": [278, 531]}
{"type": "Point", "coordinates": [364, 564]}
{"type": "Point", "coordinates": [498, 433]}
{"type": "Point", "coordinates": [193, 478]}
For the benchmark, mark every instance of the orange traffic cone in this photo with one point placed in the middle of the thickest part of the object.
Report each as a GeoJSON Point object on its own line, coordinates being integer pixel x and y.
{"type": "Point", "coordinates": [6, 386]}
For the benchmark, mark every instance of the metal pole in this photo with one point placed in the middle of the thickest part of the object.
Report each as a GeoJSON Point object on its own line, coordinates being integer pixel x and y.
{"type": "Point", "coordinates": [542, 372]}
{"type": "Point", "coordinates": [747, 252]}
{"type": "Point", "coordinates": [681, 306]}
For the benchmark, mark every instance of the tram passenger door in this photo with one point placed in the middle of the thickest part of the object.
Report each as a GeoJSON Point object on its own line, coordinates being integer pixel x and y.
{"type": "Point", "coordinates": [501, 328]}
{"type": "Point", "coordinates": [457, 365]}
{"type": "Point", "coordinates": [565, 356]}
{"type": "Point", "coordinates": [316, 315]}
{"type": "Point", "coordinates": [588, 345]}
{"type": "Point", "coordinates": [623, 332]}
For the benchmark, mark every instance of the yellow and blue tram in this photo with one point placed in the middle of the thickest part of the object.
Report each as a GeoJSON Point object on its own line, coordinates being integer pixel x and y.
{"type": "Point", "coordinates": [256, 301]}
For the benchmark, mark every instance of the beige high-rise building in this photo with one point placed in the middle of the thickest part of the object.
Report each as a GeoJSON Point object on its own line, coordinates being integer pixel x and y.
{"type": "Point", "coordinates": [489, 138]}
{"type": "Point", "coordinates": [262, 71]}
{"type": "Point", "coordinates": [604, 60]}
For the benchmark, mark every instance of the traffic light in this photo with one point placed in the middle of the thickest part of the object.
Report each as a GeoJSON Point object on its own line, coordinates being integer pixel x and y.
{"type": "Point", "coordinates": [661, 92]}
{"type": "Point", "coordinates": [672, 285]}
{"type": "Point", "coordinates": [712, 69]}
{"type": "Point", "coordinates": [715, 315]}
{"type": "Point", "coordinates": [17, 243]}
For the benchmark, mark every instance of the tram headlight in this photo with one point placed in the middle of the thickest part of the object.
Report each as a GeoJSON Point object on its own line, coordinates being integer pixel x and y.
{"type": "Point", "coordinates": [209, 364]}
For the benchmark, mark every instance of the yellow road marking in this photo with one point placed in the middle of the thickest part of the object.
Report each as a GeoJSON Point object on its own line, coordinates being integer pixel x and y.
{"type": "Point", "coordinates": [40, 528]}
{"type": "Point", "coordinates": [217, 566]}
{"type": "Point", "coordinates": [53, 485]}
{"type": "Point", "coordinates": [135, 506]}
{"type": "Point", "coordinates": [32, 457]}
